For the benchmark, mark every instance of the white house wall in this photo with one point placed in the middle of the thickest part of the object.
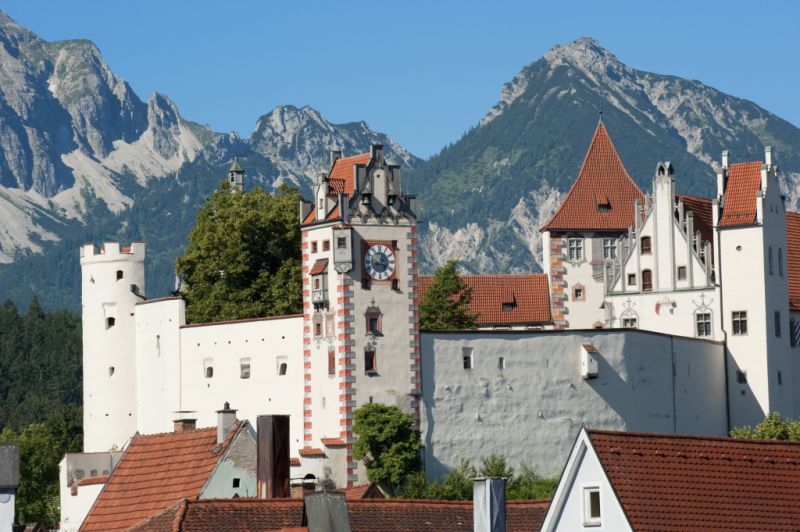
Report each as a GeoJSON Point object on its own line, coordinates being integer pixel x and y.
{"type": "Point", "coordinates": [532, 410]}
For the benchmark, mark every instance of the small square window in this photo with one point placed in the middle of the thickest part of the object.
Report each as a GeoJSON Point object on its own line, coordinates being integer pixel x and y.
{"type": "Point", "coordinates": [630, 323]}
{"type": "Point", "coordinates": [591, 506]}
{"type": "Point", "coordinates": [578, 294]}
{"type": "Point", "coordinates": [244, 368]}
{"type": "Point", "coordinates": [507, 307]}
{"type": "Point", "coordinates": [739, 322]}
{"type": "Point", "coordinates": [341, 242]}
{"type": "Point", "coordinates": [631, 279]}
{"type": "Point", "coordinates": [326, 245]}
{"type": "Point", "coordinates": [120, 275]}
{"type": "Point", "coordinates": [466, 354]}
{"type": "Point", "coordinates": [703, 324]}
{"type": "Point", "coordinates": [236, 483]}
{"type": "Point", "coordinates": [314, 247]}
{"type": "Point", "coordinates": [110, 322]}
{"type": "Point", "coordinates": [681, 273]}
{"type": "Point", "coordinates": [282, 368]}
{"type": "Point", "coordinates": [370, 362]}
{"type": "Point", "coordinates": [609, 248]}
{"type": "Point", "coordinates": [209, 372]}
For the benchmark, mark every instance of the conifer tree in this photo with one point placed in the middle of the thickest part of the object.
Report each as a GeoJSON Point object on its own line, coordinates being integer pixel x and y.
{"type": "Point", "coordinates": [446, 302]}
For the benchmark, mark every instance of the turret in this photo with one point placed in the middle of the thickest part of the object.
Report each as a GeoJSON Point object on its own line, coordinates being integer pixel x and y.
{"type": "Point", "coordinates": [112, 284]}
{"type": "Point", "coordinates": [236, 176]}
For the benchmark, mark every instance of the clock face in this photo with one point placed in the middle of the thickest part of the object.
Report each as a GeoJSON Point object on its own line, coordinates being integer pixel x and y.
{"type": "Point", "coordinates": [379, 262]}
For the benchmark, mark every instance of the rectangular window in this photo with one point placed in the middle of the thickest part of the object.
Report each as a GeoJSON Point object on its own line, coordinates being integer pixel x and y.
{"type": "Point", "coordinates": [373, 325]}
{"type": "Point", "coordinates": [646, 246]}
{"type": "Point", "coordinates": [110, 322]}
{"type": "Point", "coordinates": [314, 246]}
{"type": "Point", "coordinates": [647, 281]}
{"type": "Point", "coordinates": [741, 376]}
{"type": "Point", "coordinates": [331, 362]}
{"type": "Point", "coordinates": [326, 245]}
{"type": "Point", "coordinates": [501, 363]}
{"type": "Point", "coordinates": [341, 242]}
{"type": "Point", "coordinates": [609, 248]}
{"type": "Point", "coordinates": [591, 506]}
{"type": "Point", "coordinates": [740, 322]}
{"type": "Point", "coordinates": [577, 293]}
{"type": "Point", "coordinates": [631, 279]}
{"type": "Point", "coordinates": [777, 324]}
{"type": "Point", "coordinates": [318, 328]}
{"type": "Point", "coordinates": [630, 323]}
{"type": "Point", "coordinates": [208, 368]}
{"type": "Point", "coordinates": [370, 363]}
{"type": "Point", "coordinates": [244, 368]}
{"type": "Point", "coordinates": [575, 246]}
{"type": "Point", "coordinates": [681, 273]}
{"type": "Point", "coordinates": [330, 324]}
{"type": "Point", "coordinates": [466, 355]}
{"type": "Point", "coordinates": [702, 322]}
{"type": "Point", "coordinates": [794, 331]}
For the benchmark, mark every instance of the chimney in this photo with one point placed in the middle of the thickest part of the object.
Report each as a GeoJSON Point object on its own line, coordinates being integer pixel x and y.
{"type": "Point", "coordinates": [226, 418]}
{"type": "Point", "coordinates": [725, 157]}
{"type": "Point", "coordinates": [489, 505]}
{"type": "Point", "coordinates": [335, 156]}
{"type": "Point", "coordinates": [768, 155]}
{"type": "Point", "coordinates": [184, 425]}
{"type": "Point", "coordinates": [272, 457]}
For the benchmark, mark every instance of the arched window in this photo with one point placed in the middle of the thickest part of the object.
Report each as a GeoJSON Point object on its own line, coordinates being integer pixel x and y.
{"type": "Point", "coordinates": [780, 262]}
{"type": "Point", "coordinates": [770, 261]}
{"type": "Point", "coordinates": [647, 280]}
{"type": "Point", "coordinates": [646, 246]}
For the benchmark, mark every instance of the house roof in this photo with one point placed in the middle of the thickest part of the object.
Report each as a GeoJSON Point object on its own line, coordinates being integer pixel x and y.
{"type": "Point", "coordinates": [739, 205]}
{"type": "Point", "coordinates": [527, 298]}
{"type": "Point", "coordinates": [341, 180]}
{"type": "Point", "coordinates": [369, 515]}
{"type": "Point", "coordinates": [703, 215]}
{"type": "Point", "coordinates": [156, 471]}
{"type": "Point", "coordinates": [319, 267]}
{"type": "Point", "coordinates": [793, 258]}
{"type": "Point", "coordinates": [603, 195]}
{"type": "Point", "coordinates": [671, 482]}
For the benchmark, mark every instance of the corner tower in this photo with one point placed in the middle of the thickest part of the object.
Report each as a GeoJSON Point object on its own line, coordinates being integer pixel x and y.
{"type": "Point", "coordinates": [112, 283]}
{"type": "Point", "coordinates": [361, 335]}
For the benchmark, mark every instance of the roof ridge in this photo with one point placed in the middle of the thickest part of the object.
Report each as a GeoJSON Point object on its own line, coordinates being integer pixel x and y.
{"type": "Point", "coordinates": [627, 434]}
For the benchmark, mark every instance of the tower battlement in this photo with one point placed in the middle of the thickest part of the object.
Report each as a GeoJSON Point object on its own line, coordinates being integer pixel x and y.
{"type": "Point", "coordinates": [112, 251]}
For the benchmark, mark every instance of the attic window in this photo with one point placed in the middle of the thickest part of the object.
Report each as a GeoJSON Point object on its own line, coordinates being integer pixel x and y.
{"type": "Point", "coordinates": [591, 506]}
{"type": "Point", "coordinates": [603, 205]}
{"type": "Point", "coordinates": [508, 307]}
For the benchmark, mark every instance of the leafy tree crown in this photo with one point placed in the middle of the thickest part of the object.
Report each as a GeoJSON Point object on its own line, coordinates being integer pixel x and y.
{"type": "Point", "coordinates": [446, 302]}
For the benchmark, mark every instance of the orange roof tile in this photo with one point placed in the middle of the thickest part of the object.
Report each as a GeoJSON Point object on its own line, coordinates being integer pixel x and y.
{"type": "Point", "coordinates": [670, 482]}
{"type": "Point", "coordinates": [343, 174]}
{"type": "Point", "coordinates": [319, 267]}
{"type": "Point", "coordinates": [739, 204]}
{"type": "Point", "coordinates": [333, 442]}
{"type": "Point", "coordinates": [703, 215]}
{"type": "Point", "coordinates": [528, 294]}
{"type": "Point", "coordinates": [311, 452]}
{"type": "Point", "coordinates": [294, 461]}
{"type": "Point", "coordinates": [366, 515]}
{"type": "Point", "coordinates": [93, 480]}
{"type": "Point", "coordinates": [793, 258]}
{"type": "Point", "coordinates": [602, 181]}
{"type": "Point", "coordinates": [156, 471]}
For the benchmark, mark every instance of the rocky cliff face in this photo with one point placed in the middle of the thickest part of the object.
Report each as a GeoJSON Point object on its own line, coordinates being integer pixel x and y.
{"type": "Point", "coordinates": [486, 195]}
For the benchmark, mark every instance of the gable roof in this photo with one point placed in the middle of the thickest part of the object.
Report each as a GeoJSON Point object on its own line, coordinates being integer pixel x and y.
{"type": "Point", "coordinates": [793, 258]}
{"type": "Point", "coordinates": [369, 515]}
{"type": "Point", "coordinates": [602, 180]}
{"type": "Point", "coordinates": [527, 297]}
{"type": "Point", "coordinates": [703, 215]}
{"type": "Point", "coordinates": [341, 180]}
{"type": "Point", "coordinates": [739, 205]}
{"type": "Point", "coordinates": [673, 482]}
{"type": "Point", "coordinates": [156, 471]}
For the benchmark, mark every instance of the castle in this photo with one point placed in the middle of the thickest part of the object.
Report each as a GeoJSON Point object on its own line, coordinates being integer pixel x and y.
{"type": "Point", "coordinates": [657, 312]}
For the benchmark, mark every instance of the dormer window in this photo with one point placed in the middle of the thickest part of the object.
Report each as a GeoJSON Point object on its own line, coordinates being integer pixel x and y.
{"type": "Point", "coordinates": [508, 307]}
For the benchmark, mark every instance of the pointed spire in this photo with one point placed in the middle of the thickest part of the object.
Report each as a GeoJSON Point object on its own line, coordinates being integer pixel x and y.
{"type": "Point", "coordinates": [236, 176]}
{"type": "Point", "coordinates": [235, 167]}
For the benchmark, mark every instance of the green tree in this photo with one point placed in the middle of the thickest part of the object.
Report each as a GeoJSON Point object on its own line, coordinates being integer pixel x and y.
{"type": "Point", "coordinates": [243, 256]}
{"type": "Point", "coordinates": [774, 427]}
{"type": "Point", "coordinates": [446, 302]}
{"type": "Point", "coordinates": [388, 444]}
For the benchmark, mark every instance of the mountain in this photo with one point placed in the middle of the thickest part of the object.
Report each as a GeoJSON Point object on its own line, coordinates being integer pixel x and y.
{"type": "Point", "coordinates": [484, 197]}
{"type": "Point", "coordinates": [83, 159]}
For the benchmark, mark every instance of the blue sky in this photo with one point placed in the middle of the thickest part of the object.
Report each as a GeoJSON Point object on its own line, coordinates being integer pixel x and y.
{"type": "Point", "coordinates": [423, 72]}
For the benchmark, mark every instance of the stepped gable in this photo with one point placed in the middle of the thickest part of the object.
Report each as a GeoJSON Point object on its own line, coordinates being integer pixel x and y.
{"type": "Point", "coordinates": [671, 482]}
{"type": "Point", "coordinates": [739, 205]}
{"type": "Point", "coordinates": [341, 180]}
{"type": "Point", "coordinates": [703, 215]}
{"type": "Point", "coordinates": [156, 471]}
{"type": "Point", "coordinates": [504, 299]}
{"type": "Point", "coordinates": [602, 197]}
{"type": "Point", "coordinates": [793, 258]}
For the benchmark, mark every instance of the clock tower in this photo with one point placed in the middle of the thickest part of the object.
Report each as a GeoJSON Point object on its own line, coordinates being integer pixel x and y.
{"type": "Point", "coordinates": [361, 332]}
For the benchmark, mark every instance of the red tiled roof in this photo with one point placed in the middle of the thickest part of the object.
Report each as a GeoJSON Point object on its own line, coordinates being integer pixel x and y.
{"type": "Point", "coordinates": [294, 461]}
{"type": "Point", "coordinates": [739, 205]}
{"type": "Point", "coordinates": [333, 442]}
{"type": "Point", "coordinates": [343, 174]}
{"type": "Point", "coordinates": [156, 471]}
{"type": "Point", "coordinates": [319, 267]}
{"type": "Point", "coordinates": [602, 180]}
{"type": "Point", "coordinates": [214, 515]}
{"type": "Point", "coordinates": [367, 515]}
{"type": "Point", "coordinates": [703, 215]}
{"type": "Point", "coordinates": [669, 482]}
{"type": "Point", "coordinates": [529, 295]}
{"type": "Point", "coordinates": [364, 491]}
{"type": "Point", "coordinates": [311, 452]}
{"type": "Point", "coordinates": [793, 258]}
{"type": "Point", "coordinates": [93, 480]}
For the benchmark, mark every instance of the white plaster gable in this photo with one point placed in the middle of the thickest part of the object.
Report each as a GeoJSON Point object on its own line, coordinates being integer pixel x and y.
{"type": "Point", "coordinates": [584, 471]}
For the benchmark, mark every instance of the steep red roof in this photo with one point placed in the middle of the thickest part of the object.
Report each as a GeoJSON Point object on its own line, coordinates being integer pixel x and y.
{"type": "Point", "coordinates": [368, 515]}
{"type": "Point", "coordinates": [341, 180]}
{"type": "Point", "coordinates": [703, 215]}
{"type": "Point", "coordinates": [319, 267]}
{"type": "Point", "coordinates": [155, 471]}
{"type": "Point", "coordinates": [793, 258]}
{"type": "Point", "coordinates": [669, 482]}
{"type": "Point", "coordinates": [526, 298]}
{"type": "Point", "coordinates": [603, 195]}
{"type": "Point", "coordinates": [739, 205]}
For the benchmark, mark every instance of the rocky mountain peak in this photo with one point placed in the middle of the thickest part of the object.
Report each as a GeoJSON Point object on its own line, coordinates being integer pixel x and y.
{"type": "Point", "coordinates": [163, 121]}
{"type": "Point", "coordinates": [587, 55]}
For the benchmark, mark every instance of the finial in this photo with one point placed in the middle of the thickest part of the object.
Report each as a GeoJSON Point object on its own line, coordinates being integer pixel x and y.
{"type": "Point", "coordinates": [600, 121]}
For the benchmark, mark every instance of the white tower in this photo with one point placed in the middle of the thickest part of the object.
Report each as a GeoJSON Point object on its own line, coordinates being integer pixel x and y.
{"type": "Point", "coordinates": [113, 282]}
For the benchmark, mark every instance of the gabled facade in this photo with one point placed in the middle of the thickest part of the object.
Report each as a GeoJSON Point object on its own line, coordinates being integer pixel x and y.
{"type": "Point", "coordinates": [641, 481]}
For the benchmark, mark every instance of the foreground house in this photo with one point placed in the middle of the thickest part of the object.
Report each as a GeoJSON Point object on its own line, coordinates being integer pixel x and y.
{"type": "Point", "coordinates": [635, 481]}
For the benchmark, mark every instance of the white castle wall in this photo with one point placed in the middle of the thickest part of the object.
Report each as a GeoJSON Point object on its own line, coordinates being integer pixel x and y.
{"type": "Point", "coordinates": [109, 364]}
{"type": "Point", "coordinates": [532, 410]}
